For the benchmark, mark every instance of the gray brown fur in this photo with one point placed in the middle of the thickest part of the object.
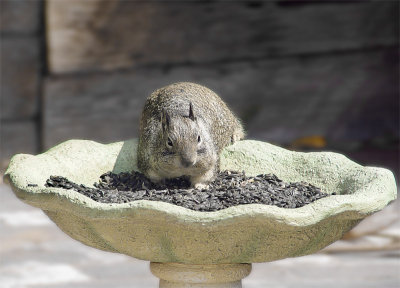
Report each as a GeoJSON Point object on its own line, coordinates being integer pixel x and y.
{"type": "Point", "coordinates": [182, 112]}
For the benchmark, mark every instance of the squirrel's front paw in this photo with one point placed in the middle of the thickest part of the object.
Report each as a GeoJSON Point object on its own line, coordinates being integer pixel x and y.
{"type": "Point", "coordinates": [201, 186]}
{"type": "Point", "coordinates": [201, 182]}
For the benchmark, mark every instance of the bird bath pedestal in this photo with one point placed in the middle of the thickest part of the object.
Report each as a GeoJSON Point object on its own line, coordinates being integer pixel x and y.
{"type": "Point", "coordinates": [203, 249]}
{"type": "Point", "coordinates": [176, 275]}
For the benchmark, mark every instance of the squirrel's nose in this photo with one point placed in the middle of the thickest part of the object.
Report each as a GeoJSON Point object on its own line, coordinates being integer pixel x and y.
{"type": "Point", "coordinates": [187, 162]}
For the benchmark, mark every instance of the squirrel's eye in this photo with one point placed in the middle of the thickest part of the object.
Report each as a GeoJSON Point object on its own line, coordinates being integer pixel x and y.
{"type": "Point", "coordinates": [198, 139]}
{"type": "Point", "coordinates": [169, 142]}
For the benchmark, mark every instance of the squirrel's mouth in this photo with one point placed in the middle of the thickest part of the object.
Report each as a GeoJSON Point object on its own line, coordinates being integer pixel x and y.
{"type": "Point", "coordinates": [188, 162]}
{"type": "Point", "coordinates": [175, 171]}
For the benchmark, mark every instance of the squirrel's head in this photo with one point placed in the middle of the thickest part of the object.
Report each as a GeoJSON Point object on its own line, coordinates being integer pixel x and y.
{"type": "Point", "coordinates": [182, 139]}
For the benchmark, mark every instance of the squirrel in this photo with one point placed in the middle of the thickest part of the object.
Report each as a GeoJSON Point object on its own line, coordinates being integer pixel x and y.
{"type": "Point", "coordinates": [183, 128]}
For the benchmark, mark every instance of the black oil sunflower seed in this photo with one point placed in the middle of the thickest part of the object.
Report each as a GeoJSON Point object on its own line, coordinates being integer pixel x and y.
{"type": "Point", "coordinates": [230, 188]}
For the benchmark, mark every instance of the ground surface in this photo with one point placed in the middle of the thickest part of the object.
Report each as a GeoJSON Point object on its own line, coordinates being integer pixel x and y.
{"type": "Point", "coordinates": [35, 253]}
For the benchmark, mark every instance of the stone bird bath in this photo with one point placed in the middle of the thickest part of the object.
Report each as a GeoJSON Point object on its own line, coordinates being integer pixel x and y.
{"type": "Point", "coordinates": [203, 249]}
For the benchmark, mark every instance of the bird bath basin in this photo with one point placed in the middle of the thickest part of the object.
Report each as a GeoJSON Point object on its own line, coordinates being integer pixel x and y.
{"type": "Point", "coordinates": [203, 249]}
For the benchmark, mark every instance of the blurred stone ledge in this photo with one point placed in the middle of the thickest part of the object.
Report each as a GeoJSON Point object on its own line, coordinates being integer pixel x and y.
{"type": "Point", "coordinates": [279, 100]}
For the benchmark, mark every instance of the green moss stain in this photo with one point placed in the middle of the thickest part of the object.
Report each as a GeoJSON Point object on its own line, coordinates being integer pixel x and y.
{"type": "Point", "coordinates": [167, 249]}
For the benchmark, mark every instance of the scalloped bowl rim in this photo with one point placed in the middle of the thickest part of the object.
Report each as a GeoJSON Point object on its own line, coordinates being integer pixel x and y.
{"type": "Point", "coordinates": [363, 202]}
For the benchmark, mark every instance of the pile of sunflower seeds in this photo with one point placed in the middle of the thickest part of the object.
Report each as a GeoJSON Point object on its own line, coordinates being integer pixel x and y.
{"type": "Point", "coordinates": [228, 189]}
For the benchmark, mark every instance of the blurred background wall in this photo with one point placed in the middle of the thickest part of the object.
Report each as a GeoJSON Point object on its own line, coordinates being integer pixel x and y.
{"type": "Point", "coordinates": [303, 75]}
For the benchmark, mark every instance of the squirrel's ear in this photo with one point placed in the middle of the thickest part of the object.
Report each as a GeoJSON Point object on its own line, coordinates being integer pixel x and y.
{"type": "Point", "coordinates": [191, 114]}
{"type": "Point", "coordinates": [165, 119]}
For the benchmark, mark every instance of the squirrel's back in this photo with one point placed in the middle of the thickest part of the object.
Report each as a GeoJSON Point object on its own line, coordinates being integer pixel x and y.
{"type": "Point", "coordinates": [208, 106]}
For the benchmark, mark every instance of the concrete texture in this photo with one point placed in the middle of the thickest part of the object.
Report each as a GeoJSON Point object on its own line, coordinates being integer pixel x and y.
{"type": "Point", "coordinates": [34, 252]}
{"type": "Point", "coordinates": [162, 232]}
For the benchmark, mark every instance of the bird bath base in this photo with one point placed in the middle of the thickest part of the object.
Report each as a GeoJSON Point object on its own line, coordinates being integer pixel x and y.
{"type": "Point", "coordinates": [176, 275]}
